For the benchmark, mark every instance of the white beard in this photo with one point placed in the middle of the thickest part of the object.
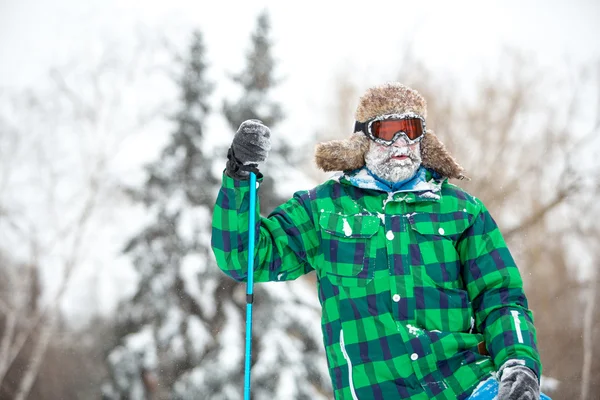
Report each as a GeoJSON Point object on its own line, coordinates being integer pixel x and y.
{"type": "Point", "coordinates": [379, 161]}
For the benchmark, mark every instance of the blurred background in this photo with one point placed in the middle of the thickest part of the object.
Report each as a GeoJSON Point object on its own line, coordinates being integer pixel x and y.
{"type": "Point", "coordinates": [115, 119]}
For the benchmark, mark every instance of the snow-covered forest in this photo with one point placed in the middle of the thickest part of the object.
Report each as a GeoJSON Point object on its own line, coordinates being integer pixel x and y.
{"type": "Point", "coordinates": [109, 171]}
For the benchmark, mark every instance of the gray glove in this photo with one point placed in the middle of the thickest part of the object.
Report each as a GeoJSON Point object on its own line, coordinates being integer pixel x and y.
{"type": "Point", "coordinates": [518, 382]}
{"type": "Point", "coordinates": [251, 145]}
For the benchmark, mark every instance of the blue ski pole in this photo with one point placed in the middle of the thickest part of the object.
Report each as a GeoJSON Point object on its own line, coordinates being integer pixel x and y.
{"type": "Point", "coordinates": [250, 285]}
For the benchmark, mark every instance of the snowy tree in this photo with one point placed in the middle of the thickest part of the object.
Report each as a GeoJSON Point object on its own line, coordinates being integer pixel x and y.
{"type": "Point", "coordinates": [257, 82]}
{"type": "Point", "coordinates": [165, 329]}
{"type": "Point", "coordinates": [182, 333]}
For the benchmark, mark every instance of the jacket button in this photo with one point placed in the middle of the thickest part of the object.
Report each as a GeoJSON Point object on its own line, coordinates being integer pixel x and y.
{"type": "Point", "coordinates": [441, 231]}
{"type": "Point", "coordinates": [414, 356]}
{"type": "Point", "coordinates": [389, 235]}
{"type": "Point", "coordinates": [396, 297]}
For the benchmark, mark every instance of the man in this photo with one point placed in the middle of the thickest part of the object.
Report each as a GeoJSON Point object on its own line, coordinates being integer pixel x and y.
{"type": "Point", "coordinates": [420, 296]}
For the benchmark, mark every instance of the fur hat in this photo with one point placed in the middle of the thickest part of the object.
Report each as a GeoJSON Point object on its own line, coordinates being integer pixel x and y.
{"type": "Point", "coordinates": [390, 98]}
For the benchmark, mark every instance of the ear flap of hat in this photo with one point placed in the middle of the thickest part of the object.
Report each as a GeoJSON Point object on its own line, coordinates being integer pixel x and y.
{"type": "Point", "coordinates": [342, 155]}
{"type": "Point", "coordinates": [349, 154]}
{"type": "Point", "coordinates": [436, 157]}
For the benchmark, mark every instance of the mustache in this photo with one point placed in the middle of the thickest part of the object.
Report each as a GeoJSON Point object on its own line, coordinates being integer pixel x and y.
{"type": "Point", "coordinates": [395, 151]}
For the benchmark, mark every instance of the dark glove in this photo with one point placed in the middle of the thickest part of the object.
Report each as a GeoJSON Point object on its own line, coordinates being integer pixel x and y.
{"type": "Point", "coordinates": [251, 145]}
{"type": "Point", "coordinates": [518, 382]}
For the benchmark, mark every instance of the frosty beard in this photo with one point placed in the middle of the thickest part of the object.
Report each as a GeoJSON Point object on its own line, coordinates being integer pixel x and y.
{"type": "Point", "coordinates": [380, 162]}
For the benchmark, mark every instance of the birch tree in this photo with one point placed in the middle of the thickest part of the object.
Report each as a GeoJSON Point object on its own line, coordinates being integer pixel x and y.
{"type": "Point", "coordinates": [57, 187]}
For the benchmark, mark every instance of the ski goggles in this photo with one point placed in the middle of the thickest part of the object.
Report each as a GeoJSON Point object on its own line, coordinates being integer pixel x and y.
{"type": "Point", "coordinates": [386, 129]}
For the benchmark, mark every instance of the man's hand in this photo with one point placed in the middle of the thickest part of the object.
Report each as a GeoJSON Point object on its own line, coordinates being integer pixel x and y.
{"type": "Point", "coordinates": [251, 145]}
{"type": "Point", "coordinates": [518, 382]}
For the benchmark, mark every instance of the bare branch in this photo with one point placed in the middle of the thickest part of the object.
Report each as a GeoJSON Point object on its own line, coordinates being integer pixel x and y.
{"type": "Point", "coordinates": [537, 215]}
{"type": "Point", "coordinates": [36, 359]}
{"type": "Point", "coordinates": [7, 338]}
{"type": "Point", "coordinates": [588, 335]}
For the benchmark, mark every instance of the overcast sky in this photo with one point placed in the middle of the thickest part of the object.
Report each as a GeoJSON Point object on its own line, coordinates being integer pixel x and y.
{"type": "Point", "coordinates": [314, 40]}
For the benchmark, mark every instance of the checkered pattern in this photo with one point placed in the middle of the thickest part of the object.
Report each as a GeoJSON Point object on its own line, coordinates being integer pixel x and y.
{"type": "Point", "coordinates": [409, 284]}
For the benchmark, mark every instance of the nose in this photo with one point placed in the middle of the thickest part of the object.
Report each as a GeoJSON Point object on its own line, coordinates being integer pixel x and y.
{"type": "Point", "coordinates": [401, 141]}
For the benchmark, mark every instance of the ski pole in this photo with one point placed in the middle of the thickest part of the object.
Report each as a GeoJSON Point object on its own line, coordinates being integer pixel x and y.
{"type": "Point", "coordinates": [250, 285]}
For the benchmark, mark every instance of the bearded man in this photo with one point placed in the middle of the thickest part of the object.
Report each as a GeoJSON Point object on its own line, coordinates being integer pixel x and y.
{"type": "Point", "coordinates": [421, 298]}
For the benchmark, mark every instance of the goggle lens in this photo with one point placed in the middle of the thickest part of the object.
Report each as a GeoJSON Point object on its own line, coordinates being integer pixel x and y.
{"type": "Point", "coordinates": [387, 129]}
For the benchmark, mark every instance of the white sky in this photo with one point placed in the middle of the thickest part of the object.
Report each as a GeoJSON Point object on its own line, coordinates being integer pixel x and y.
{"type": "Point", "coordinates": [314, 41]}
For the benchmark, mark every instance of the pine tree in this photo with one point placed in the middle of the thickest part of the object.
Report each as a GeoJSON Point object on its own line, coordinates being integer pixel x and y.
{"type": "Point", "coordinates": [257, 81]}
{"type": "Point", "coordinates": [181, 335]}
{"type": "Point", "coordinates": [166, 328]}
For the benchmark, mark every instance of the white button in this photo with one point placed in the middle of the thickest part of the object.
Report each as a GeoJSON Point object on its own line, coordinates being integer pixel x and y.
{"type": "Point", "coordinates": [389, 235]}
{"type": "Point", "coordinates": [441, 231]}
{"type": "Point", "coordinates": [257, 184]}
{"type": "Point", "coordinates": [396, 298]}
{"type": "Point", "coordinates": [414, 356]}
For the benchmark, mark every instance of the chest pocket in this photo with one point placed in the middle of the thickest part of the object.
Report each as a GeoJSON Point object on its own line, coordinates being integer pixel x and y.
{"type": "Point", "coordinates": [436, 262]}
{"type": "Point", "coordinates": [434, 244]}
{"type": "Point", "coordinates": [347, 247]}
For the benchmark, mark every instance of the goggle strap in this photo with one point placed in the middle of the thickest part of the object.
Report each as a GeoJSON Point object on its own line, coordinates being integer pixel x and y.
{"type": "Point", "coordinates": [360, 127]}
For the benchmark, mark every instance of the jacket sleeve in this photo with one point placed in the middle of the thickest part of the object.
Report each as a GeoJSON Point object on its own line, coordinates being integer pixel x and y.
{"type": "Point", "coordinates": [495, 288]}
{"type": "Point", "coordinates": [284, 242]}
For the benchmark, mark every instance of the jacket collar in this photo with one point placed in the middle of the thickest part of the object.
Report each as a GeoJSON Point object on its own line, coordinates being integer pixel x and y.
{"type": "Point", "coordinates": [426, 184]}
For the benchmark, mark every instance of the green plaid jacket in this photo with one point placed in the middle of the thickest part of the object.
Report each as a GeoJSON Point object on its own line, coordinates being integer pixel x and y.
{"type": "Point", "coordinates": [410, 283]}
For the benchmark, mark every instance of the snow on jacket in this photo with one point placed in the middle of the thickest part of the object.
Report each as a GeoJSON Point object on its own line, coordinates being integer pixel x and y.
{"type": "Point", "coordinates": [414, 285]}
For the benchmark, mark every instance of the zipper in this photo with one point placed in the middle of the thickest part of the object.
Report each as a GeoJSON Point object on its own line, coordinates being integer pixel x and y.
{"type": "Point", "coordinates": [515, 315]}
{"type": "Point", "coordinates": [349, 365]}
